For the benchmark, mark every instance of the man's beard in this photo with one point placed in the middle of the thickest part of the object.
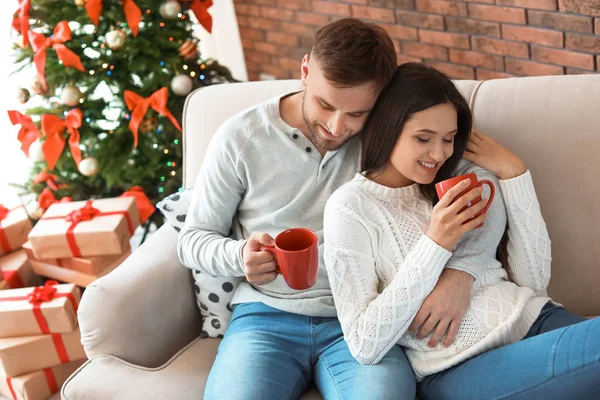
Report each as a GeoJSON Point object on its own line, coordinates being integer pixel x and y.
{"type": "Point", "coordinates": [320, 143]}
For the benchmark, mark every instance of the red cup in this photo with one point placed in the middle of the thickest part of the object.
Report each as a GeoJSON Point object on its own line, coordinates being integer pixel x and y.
{"type": "Point", "coordinates": [297, 254]}
{"type": "Point", "coordinates": [442, 188]}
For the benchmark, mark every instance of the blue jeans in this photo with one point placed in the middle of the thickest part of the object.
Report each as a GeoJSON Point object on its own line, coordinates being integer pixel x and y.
{"type": "Point", "coordinates": [271, 354]}
{"type": "Point", "coordinates": [558, 359]}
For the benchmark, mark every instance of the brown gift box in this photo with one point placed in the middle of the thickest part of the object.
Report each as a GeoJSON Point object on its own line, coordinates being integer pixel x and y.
{"type": "Point", "coordinates": [14, 227]}
{"type": "Point", "coordinates": [38, 385]}
{"type": "Point", "coordinates": [87, 265]}
{"type": "Point", "coordinates": [17, 272]}
{"type": "Point", "coordinates": [26, 354]}
{"type": "Point", "coordinates": [99, 236]}
{"type": "Point", "coordinates": [51, 270]}
{"type": "Point", "coordinates": [20, 317]}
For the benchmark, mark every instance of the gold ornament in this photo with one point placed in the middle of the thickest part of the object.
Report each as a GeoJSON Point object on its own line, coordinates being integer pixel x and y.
{"type": "Point", "coordinates": [188, 50]}
{"type": "Point", "coordinates": [115, 38]}
{"type": "Point", "coordinates": [80, 3]}
{"type": "Point", "coordinates": [89, 166]}
{"type": "Point", "coordinates": [149, 124]}
{"type": "Point", "coordinates": [70, 96]}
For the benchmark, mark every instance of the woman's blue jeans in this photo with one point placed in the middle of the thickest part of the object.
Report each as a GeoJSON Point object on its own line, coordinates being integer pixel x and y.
{"type": "Point", "coordinates": [270, 354]}
{"type": "Point", "coordinates": [558, 359]}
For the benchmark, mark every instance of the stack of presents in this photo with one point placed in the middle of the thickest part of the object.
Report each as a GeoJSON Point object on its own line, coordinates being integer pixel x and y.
{"type": "Point", "coordinates": [44, 269]}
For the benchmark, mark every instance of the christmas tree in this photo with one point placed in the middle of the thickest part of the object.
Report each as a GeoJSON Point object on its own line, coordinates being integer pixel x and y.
{"type": "Point", "coordinates": [113, 76]}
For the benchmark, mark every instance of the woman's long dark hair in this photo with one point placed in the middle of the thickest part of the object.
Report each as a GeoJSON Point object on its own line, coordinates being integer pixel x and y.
{"type": "Point", "coordinates": [416, 87]}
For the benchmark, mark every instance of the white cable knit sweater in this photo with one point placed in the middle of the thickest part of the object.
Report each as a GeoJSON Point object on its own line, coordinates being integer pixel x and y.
{"type": "Point", "coordinates": [382, 266]}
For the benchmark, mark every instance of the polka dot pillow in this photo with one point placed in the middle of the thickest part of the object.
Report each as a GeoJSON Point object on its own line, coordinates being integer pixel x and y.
{"type": "Point", "coordinates": [213, 293]}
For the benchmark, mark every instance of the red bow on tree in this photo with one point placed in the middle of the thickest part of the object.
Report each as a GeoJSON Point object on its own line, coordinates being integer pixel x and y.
{"type": "Point", "coordinates": [53, 127]}
{"type": "Point", "coordinates": [133, 14]}
{"type": "Point", "coordinates": [145, 207]}
{"type": "Point", "coordinates": [157, 101]}
{"type": "Point", "coordinates": [46, 199]}
{"type": "Point", "coordinates": [200, 9]}
{"type": "Point", "coordinates": [50, 179]}
{"type": "Point", "coordinates": [20, 22]}
{"type": "Point", "coordinates": [40, 43]}
{"type": "Point", "coordinates": [43, 294]}
{"type": "Point", "coordinates": [29, 131]}
{"type": "Point", "coordinates": [85, 213]}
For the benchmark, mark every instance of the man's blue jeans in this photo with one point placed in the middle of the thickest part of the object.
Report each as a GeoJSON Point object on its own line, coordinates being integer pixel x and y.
{"type": "Point", "coordinates": [558, 359]}
{"type": "Point", "coordinates": [270, 354]}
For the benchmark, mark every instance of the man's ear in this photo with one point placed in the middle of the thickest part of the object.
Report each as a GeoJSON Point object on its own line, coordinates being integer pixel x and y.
{"type": "Point", "coordinates": [304, 69]}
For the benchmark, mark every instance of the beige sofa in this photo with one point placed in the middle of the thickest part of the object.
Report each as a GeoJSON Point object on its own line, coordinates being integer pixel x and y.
{"type": "Point", "coordinates": [140, 324]}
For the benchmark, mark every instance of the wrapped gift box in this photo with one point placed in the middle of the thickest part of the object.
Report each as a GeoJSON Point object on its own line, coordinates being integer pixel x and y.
{"type": "Point", "coordinates": [65, 274]}
{"type": "Point", "coordinates": [26, 354]}
{"type": "Point", "coordinates": [51, 308]}
{"type": "Point", "coordinates": [14, 228]}
{"type": "Point", "coordinates": [95, 266]}
{"type": "Point", "coordinates": [38, 385]}
{"type": "Point", "coordinates": [17, 271]}
{"type": "Point", "coordinates": [85, 228]}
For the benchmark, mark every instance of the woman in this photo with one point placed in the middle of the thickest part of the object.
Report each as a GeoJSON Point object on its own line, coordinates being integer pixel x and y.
{"type": "Point", "coordinates": [387, 239]}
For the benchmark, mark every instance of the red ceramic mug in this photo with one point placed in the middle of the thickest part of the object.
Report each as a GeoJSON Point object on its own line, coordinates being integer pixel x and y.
{"type": "Point", "coordinates": [297, 254]}
{"type": "Point", "coordinates": [442, 187]}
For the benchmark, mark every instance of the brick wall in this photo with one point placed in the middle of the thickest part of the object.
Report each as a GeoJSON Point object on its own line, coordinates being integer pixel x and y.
{"type": "Point", "coordinates": [479, 39]}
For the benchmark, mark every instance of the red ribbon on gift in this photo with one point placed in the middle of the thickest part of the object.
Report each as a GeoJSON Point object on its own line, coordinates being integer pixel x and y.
{"type": "Point", "coordinates": [133, 14]}
{"type": "Point", "coordinates": [46, 199]}
{"type": "Point", "coordinates": [44, 294]}
{"type": "Point", "coordinates": [157, 101]}
{"type": "Point", "coordinates": [29, 131]}
{"type": "Point", "coordinates": [86, 213]}
{"type": "Point", "coordinates": [13, 279]}
{"type": "Point", "coordinates": [145, 207]}
{"type": "Point", "coordinates": [40, 43]}
{"type": "Point", "coordinates": [4, 243]}
{"type": "Point", "coordinates": [53, 127]}
{"type": "Point", "coordinates": [20, 22]}
{"type": "Point", "coordinates": [200, 9]}
{"type": "Point", "coordinates": [50, 379]}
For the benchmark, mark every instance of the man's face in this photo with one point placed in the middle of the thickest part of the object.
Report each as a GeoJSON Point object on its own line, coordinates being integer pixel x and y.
{"type": "Point", "coordinates": [333, 114]}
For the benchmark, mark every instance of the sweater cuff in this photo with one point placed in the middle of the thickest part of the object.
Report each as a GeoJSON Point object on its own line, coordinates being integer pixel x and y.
{"type": "Point", "coordinates": [518, 190]}
{"type": "Point", "coordinates": [428, 253]}
{"type": "Point", "coordinates": [240, 267]}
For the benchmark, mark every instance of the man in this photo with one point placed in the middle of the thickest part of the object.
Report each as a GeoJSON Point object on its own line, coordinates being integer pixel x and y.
{"type": "Point", "coordinates": [273, 167]}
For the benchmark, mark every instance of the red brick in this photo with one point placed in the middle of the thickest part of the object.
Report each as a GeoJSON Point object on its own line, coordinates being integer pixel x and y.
{"type": "Point", "coordinates": [501, 47]}
{"type": "Point", "coordinates": [563, 22]}
{"type": "Point", "coordinates": [277, 13]}
{"type": "Point", "coordinates": [299, 29]}
{"type": "Point", "coordinates": [306, 42]}
{"type": "Point", "coordinates": [481, 1]}
{"type": "Point", "coordinates": [397, 46]}
{"type": "Point", "coordinates": [575, 71]}
{"type": "Point", "coordinates": [363, 2]}
{"type": "Point", "coordinates": [252, 75]}
{"type": "Point", "coordinates": [331, 8]}
{"type": "Point", "coordinates": [472, 27]}
{"type": "Point", "coordinates": [248, 43]}
{"type": "Point", "coordinates": [258, 57]}
{"type": "Point", "coordinates": [532, 68]}
{"type": "Point", "coordinates": [242, 21]}
{"type": "Point", "coordinates": [535, 4]}
{"type": "Point", "coordinates": [452, 70]}
{"type": "Point", "coordinates": [587, 43]}
{"type": "Point", "coordinates": [442, 7]}
{"type": "Point", "coordinates": [373, 13]}
{"type": "Point", "coordinates": [296, 4]}
{"type": "Point", "coordinates": [262, 23]}
{"type": "Point", "coordinates": [585, 7]}
{"type": "Point", "coordinates": [295, 74]}
{"type": "Point", "coordinates": [403, 58]}
{"type": "Point", "coordinates": [420, 20]}
{"type": "Point", "coordinates": [282, 38]}
{"type": "Point", "coordinates": [400, 32]}
{"type": "Point", "coordinates": [296, 53]}
{"type": "Point", "coordinates": [496, 13]}
{"type": "Point", "coordinates": [252, 66]}
{"type": "Point", "coordinates": [253, 34]}
{"type": "Point", "coordinates": [486, 74]}
{"type": "Point", "coordinates": [247, 9]}
{"type": "Point", "coordinates": [562, 57]}
{"type": "Point", "coordinates": [476, 59]}
{"type": "Point", "coordinates": [277, 72]}
{"type": "Point", "coordinates": [422, 50]}
{"type": "Point", "coordinates": [401, 4]}
{"type": "Point", "coordinates": [289, 63]}
{"type": "Point", "coordinates": [598, 63]}
{"type": "Point", "coordinates": [311, 18]}
{"type": "Point", "coordinates": [263, 2]}
{"type": "Point", "coordinates": [268, 48]}
{"type": "Point", "coordinates": [444, 39]}
{"type": "Point", "coordinates": [532, 35]}
{"type": "Point", "coordinates": [597, 30]}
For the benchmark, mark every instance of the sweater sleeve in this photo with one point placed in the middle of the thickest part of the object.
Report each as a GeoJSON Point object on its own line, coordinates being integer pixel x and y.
{"type": "Point", "coordinates": [203, 243]}
{"type": "Point", "coordinates": [529, 254]}
{"type": "Point", "coordinates": [477, 247]}
{"type": "Point", "coordinates": [374, 318]}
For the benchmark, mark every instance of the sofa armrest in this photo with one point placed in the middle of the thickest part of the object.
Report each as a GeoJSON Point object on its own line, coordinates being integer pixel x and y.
{"type": "Point", "coordinates": [145, 310]}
